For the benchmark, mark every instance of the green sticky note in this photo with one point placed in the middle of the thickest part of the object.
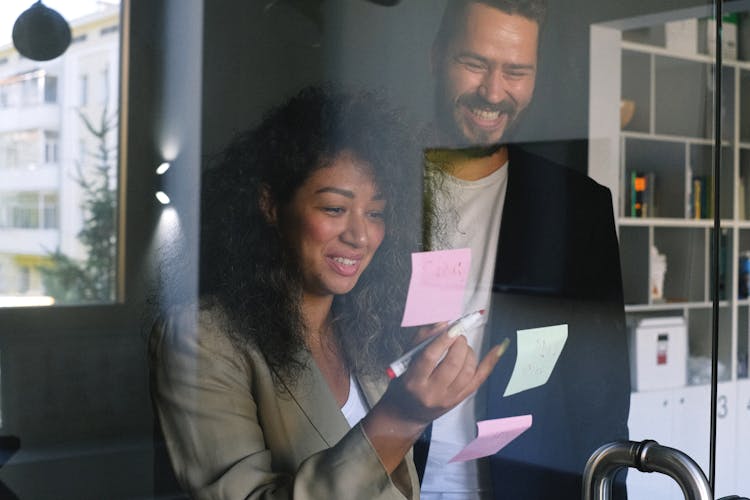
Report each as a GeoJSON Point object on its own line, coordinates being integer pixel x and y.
{"type": "Point", "coordinates": [538, 351]}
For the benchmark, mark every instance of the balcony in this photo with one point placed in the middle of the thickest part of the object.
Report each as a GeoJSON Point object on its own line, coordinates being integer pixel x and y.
{"type": "Point", "coordinates": [40, 116]}
{"type": "Point", "coordinates": [28, 241]}
{"type": "Point", "coordinates": [42, 178]}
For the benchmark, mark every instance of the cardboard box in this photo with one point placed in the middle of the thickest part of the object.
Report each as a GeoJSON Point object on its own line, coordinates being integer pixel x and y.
{"type": "Point", "coordinates": [682, 36]}
{"type": "Point", "coordinates": [658, 353]}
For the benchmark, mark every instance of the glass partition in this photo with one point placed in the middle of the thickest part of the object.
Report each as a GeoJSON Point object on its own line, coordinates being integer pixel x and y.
{"type": "Point", "coordinates": [554, 167]}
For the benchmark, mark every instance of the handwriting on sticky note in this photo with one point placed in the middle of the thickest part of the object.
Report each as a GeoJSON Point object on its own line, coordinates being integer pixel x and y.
{"type": "Point", "coordinates": [492, 436]}
{"type": "Point", "coordinates": [538, 351]}
{"type": "Point", "coordinates": [436, 288]}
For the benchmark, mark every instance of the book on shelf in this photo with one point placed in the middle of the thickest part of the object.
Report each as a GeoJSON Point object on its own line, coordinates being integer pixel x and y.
{"type": "Point", "coordinates": [743, 289]}
{"type": "Point", "coordinates": [723, 265]}
{"type": "Point", "coordinates": [741, 199]}
{"type": "Point", "coordinates": [641, 199]}
{"type": "Point", "coordinates": [701, 199]}
{"type": "Point", "coordinates": [743, 192]}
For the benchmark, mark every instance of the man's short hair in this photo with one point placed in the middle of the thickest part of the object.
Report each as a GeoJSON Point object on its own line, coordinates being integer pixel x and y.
{"type": "Point", "coordinates": [534, 10]}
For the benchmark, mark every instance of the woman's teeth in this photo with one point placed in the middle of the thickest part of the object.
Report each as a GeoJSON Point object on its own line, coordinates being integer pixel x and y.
{"type": "Point", "coordinates": [345, 261]}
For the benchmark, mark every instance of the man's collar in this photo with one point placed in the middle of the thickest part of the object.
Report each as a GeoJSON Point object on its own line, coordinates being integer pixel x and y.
{"type": "Point", "coordinates": [466, 164]}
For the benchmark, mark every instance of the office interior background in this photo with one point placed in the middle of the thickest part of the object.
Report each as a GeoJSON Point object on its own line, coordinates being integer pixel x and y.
{"type": "Point", "coordinates": [625, 92]}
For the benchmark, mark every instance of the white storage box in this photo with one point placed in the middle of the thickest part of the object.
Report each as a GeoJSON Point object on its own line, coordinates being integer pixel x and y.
{"type": "Point", "coordinates": [658, 353]}
{"type": "Point", "coordinates": [682, 36]}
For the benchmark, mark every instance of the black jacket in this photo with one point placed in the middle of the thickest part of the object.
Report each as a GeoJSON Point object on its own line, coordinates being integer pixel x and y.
{"type": "Point", "coordinates": [558, 262]}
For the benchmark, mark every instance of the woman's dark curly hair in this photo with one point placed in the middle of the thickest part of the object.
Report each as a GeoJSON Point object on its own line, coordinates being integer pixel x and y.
{"type": "Point", "coordinates": [244, 264]}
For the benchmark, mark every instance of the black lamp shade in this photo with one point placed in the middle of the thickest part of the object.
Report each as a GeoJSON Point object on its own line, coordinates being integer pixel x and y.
{"type": "Point", "coordinates": [41, 33]}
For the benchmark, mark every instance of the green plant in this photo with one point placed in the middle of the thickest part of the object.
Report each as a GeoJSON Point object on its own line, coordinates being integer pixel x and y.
{"type": "Point", "coordinates": [91, 279]}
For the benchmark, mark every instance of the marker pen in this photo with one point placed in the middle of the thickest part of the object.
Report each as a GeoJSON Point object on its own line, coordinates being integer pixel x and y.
{"type": "Point", "coordinates": [458, 327]}
{"type": "Point", "coordinates": [465, 323]}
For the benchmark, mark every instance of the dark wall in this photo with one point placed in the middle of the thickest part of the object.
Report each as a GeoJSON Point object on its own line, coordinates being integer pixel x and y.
{"type": "Point", "coordinates": [561, 103]}
{"type": "Point", "coordinates": [256, 57]}
{"type": "Point", "coordinates": [75, 384]}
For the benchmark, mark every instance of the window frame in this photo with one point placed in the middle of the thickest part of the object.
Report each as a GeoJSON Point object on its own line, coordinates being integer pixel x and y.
{"type": "Point", "coordinates": [132, 289]}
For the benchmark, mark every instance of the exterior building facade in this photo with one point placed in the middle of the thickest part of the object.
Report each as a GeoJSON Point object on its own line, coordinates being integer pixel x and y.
{"type": "Point", "coordinates": [46, 149]}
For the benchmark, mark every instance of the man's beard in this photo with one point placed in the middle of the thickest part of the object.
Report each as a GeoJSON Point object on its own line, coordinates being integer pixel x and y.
{"type": "Point", "coordinates": [452, 132]}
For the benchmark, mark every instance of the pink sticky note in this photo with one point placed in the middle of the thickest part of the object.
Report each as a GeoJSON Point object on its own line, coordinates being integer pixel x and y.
{"type": "Point", "coordinates": [436, 289]}
{"type": "Point", "coordinates": [492, 436]}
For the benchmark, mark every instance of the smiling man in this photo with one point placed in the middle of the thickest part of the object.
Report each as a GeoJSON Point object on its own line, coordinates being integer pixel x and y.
{"type": "Point", "coordinates": [486, 72]}
{"type": "Point", "coordinates": [544, 252]}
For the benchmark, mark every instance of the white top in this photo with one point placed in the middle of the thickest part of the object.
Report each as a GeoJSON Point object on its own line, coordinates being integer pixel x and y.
{"type": "Point", "coordinates": [471, 212]}
{"type": "Point", "coordinates": [355, 407]}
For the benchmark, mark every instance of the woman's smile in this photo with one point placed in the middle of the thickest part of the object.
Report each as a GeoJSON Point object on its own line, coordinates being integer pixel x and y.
{"type": "Point", "coordinates": [334, 224]}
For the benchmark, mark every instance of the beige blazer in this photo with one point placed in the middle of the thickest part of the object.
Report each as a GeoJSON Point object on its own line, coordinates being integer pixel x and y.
{"type": "Point", "coordinates": [231, 434]}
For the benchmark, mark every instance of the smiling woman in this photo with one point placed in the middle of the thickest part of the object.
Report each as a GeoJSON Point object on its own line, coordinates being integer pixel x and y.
{"type": "Point", "coordinates": [278, 190]}
{"type": "Point", "coordinates": [275, 386]}
{"type": "Point", "coordinates": [334, 224]}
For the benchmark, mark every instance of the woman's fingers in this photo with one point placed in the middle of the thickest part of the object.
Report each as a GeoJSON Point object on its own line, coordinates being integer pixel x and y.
{"type": "Point", "coordinates": [445, 373]}
{"type": "Point", "coordinates": [455, 360]}
{"type": "Point", "coordinates": [484, 369]}
{"type": "Point", "coordinates": [438, 376]}
{"type": "Point", "coordinates": [426, 362]}
{"type": "Point", "coordinates": [465, 374]}
{"type": "Point", "coordinates": [426, 332]}
{"type": "Point", "coordinates": [458, 375]}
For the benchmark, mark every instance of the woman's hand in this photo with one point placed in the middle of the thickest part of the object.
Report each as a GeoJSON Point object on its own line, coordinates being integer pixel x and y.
{"type": "Point", "coordinates": [445, 373]}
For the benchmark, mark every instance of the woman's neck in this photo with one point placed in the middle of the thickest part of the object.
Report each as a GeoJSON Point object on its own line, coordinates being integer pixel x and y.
{"type": "Point", "coordinates": [316, 313]}
{"type": "Point", "coordinates": [324, 347]}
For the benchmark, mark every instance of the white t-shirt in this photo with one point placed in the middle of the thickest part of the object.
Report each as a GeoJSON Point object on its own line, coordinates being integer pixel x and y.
{"type": "Point", "coordinates": [470, 212]}
{"type": "Point", "coordinates": [355, 407]}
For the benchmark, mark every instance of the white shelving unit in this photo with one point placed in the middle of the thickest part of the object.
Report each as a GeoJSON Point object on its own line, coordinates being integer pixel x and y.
{"type": "Point", "coordinates": [671, 135]}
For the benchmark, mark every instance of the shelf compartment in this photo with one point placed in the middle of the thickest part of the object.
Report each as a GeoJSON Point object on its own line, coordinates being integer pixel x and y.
{"type": "Point", "coordinates": [744, 107]}
{"type": "Point", "coordinates": [701, 164]}
{"type": "Point", "coordinates": [634, 245]}
{"type": "Point", "coordinates": [636, 87]}
{"type": "Point", "coordinates": [727, 265]}
{"type": "Point", "coordinates": [687, 258]}
{"type": "Point", "coordinates": [743, 341]}
{"type": "Point", "coordinates": [683, 100]}
{"type": "Point", "coordinates": [645, 39]}
{"type": "Point", "coordinates": [646, 47]}
{"type": "Point", "coordinates": [699, 340]}
{"type": "Point", "coordinates": [687, 253]}
{"type": "Point", "coordinates": [743, 187]}
{"type": "Point", "coordinates": [699, 324]}
{"type": "Point", "coordinates": [743, 247]}
{"type": "Point", "coordinates": [666, 161]}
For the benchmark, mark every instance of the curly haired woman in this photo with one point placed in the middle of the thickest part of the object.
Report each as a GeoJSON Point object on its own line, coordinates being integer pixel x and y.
{"type": "Point", "coordinates": [274, 386]}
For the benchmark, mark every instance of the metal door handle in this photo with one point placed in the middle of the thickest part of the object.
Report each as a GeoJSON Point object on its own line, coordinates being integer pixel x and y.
{"type": "Point", "coordinates": [646, 456]}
